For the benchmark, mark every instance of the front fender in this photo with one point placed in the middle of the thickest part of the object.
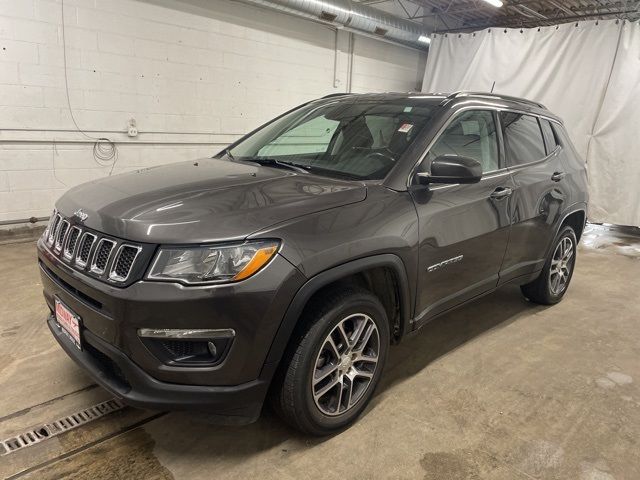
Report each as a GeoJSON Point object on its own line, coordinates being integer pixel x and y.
{"type": "Point", "coordinates": [313, 285]}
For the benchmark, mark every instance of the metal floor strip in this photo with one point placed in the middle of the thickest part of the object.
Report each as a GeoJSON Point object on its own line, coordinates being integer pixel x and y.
{"type": "Point", "coordinates": [48, 430]}
{"type": "Point", "coordinates": [47, 402]}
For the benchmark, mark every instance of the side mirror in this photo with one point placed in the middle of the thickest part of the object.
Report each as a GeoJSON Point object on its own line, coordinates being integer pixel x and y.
{"type": "Point", "coordinates": [452, 169]}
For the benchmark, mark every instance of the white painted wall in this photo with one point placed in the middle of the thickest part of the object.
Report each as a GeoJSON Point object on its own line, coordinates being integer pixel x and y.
{"type": "Point", "coordinates": [194, 74]}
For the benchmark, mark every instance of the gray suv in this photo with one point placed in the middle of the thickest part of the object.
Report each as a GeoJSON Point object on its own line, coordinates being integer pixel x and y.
{"type": "Point", "coordinates": [285, 266]}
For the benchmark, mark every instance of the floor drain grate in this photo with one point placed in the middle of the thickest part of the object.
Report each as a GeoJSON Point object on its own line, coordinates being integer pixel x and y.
{"type": "Point", "coordinates": [48, 430]}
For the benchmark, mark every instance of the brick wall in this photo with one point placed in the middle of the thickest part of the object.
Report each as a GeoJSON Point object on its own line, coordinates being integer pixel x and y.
{"type": "Point", "coordinates": [194, 75]}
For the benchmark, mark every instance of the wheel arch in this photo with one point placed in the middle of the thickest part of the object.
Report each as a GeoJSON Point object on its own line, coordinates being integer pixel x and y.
{"type": "Point", "coordinates": [335, 276]}
{"type": "Point", "coordinates": [576, 217]}
{"type": "Point", "coordinates": [577, 220]}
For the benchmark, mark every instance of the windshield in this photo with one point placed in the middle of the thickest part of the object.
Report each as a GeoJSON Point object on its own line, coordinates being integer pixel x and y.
{"type": "Point", "coordinates": [359, 140]}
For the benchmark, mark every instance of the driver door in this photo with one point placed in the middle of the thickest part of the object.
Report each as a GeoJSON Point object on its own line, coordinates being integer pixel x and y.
{"type": "Point", "coordinates": [463, 229]}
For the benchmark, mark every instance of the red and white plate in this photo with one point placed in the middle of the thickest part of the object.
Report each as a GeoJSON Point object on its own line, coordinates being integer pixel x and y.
{"type": "Point", "coordinates": [69, 323]}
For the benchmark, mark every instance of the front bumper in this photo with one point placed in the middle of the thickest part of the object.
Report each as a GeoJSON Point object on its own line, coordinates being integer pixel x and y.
{"type": "Point", "coordinates": [117, 359]}
{"type": "Point", "coordinates": [115, 372]}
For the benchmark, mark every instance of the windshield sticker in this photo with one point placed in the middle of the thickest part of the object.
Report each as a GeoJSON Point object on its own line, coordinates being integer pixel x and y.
{"type": "Point", "coordinates": [407, 109]}
{"type": "Point", "coordinates": [405, 127]}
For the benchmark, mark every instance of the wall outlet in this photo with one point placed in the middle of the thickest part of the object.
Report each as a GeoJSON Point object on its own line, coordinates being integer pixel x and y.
{"type": "Point", "coordinates": [132, 128]}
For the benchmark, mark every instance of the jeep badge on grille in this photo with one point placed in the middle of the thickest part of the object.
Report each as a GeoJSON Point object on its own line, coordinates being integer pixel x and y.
{"type": "Point", "coordinates": [81, 215]}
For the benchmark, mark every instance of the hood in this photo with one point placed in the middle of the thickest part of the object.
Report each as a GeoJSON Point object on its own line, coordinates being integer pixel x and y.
{"type": "Point", "coordinates": [206, 200]}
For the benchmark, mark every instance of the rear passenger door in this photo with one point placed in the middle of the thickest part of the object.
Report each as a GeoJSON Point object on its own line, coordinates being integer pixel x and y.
{"type": "Point", "coordinates": [531, 153]}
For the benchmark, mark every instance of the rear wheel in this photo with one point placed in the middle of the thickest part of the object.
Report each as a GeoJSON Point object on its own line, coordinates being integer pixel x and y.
{"type": "Point", "coordinates": [553, 282]}
{"type": "Point", "coordinates": [334, 363]}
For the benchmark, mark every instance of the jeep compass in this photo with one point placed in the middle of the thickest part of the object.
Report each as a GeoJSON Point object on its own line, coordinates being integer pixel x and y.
{"type": "Point", "coordinates": [285, 266]}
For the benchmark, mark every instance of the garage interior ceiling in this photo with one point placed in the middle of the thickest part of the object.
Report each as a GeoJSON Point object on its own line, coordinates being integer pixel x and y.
{"type": "Point", "coordinates": [467, 15]}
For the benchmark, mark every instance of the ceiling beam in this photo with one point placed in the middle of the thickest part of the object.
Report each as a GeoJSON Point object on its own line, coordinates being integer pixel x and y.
{"type": "Point", "coordinates": [482, 6]}
{"type": "Point", "coordinates": [515, 21]}
{"type": "Point", "coordinates": [469, 15]}
{"type": "Point", "coordinates": [559, 6]}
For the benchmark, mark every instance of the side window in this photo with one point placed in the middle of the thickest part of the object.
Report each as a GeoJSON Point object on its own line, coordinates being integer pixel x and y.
{"type": "Point", "coordinates": [549, 136]}
{"type": "Point", "coordinates": [523, 140]}
{"type": "Point", "coordinates": [311, 137]}
{"type": "Point", "coordinates": [472, 134]}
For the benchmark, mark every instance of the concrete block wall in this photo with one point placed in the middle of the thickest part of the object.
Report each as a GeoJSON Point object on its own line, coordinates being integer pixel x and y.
{"type": "Point", "coordinates": [193, 74]}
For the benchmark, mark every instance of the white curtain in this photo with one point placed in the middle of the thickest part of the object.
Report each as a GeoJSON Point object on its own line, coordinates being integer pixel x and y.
{"type": "Point", "coordinates": [587, 73]}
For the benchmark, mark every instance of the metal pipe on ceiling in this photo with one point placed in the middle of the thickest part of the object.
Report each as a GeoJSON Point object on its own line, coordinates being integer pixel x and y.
{"type": "Point", "coordinates": [5, 223]}
{"type": "Point", "coordinates": [353, 16]}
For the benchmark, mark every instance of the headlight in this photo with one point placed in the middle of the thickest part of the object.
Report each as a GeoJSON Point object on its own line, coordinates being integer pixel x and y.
{"type": "Point", "coordinates": [212, 264]}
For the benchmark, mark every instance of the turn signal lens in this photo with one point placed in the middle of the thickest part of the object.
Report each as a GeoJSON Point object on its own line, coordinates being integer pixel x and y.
{"type": "Point", "coordinates": [260, 258]}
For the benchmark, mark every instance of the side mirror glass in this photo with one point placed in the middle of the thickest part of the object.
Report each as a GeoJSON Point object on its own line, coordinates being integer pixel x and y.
{"type": "Point", "coordinates": [452, 169]}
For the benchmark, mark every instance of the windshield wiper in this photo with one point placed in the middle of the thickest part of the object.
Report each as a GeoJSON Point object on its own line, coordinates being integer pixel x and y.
{"type": "Point", "coordinates": [273, 162]}
{"type": "Point", "coordinates": [227, 152]}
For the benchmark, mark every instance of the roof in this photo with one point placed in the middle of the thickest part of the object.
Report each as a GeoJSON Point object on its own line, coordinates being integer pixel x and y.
{"type": "Point", "coordinates": [508, 101]}
{"type": "Point", "coordinates": [442, 98]}
{"type": "Point", "coordinates": [435, 99]}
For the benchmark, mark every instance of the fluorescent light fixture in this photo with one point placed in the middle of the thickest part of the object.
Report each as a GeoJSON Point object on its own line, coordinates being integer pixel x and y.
{"type": "Point", "coordinates": [495, 3]}
{"type": "Point", "coordinates": [424, 39]}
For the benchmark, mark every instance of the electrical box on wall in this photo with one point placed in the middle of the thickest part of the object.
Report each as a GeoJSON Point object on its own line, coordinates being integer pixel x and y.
{"type": "Point", "coordinates": [132, 128]}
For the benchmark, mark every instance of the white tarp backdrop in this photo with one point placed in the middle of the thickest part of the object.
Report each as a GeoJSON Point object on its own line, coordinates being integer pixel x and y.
{"type": "Point", "coordinates": [587, 73]}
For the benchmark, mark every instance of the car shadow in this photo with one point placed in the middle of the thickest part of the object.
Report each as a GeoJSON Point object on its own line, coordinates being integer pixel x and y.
{"type": "Point", "coordinates": [189, 433]}
{"type": "Point", "coordinates": [453, 330]}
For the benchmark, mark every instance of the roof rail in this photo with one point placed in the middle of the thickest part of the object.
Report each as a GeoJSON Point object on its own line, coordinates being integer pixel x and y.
{"type": "Point", "coordinates": [497, 96]}
{"type": "Point", "coordinates": [336, 95]}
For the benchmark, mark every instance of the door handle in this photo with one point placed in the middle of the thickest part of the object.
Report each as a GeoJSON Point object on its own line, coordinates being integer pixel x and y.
{"type": "Point", "coordinates": [557, 176]}
{"type": "Point", "coordinates": [501, 192]}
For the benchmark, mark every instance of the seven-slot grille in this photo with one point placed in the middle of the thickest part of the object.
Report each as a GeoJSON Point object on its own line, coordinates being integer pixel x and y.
{"type": "Point", "coordinates": [123, 262]}
{"type": "Point", "coordinates": [51, 232]}
{"type": "Point", "coordinates": [72, 241]}
{"type": "Point", "coordinates": [60, 234]}
{"type": "Point", "coordinates": [102, 255]}
{"type": "Point", "coordinates": [86, 250]}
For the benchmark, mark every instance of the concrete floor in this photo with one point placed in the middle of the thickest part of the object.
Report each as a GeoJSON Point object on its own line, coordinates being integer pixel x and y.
{"type": "Point", "coordinates": [500, 389]}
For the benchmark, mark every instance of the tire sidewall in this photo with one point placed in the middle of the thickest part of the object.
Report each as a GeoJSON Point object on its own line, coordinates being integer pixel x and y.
{"type": "Point", "coordinates": [565, 232]}
{"type": "Point", "coordinates": [356, 303]}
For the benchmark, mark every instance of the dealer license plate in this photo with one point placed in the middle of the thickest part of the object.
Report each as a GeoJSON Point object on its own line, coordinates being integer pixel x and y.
{"type": "Point", "coordinates": [69, 323]}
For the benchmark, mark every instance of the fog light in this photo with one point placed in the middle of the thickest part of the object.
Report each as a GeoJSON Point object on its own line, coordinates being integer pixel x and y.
{"type": "Point", "coordinates": [188, 346]}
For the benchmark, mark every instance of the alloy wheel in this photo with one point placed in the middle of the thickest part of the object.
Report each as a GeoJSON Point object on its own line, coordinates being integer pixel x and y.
{"type": "Point", "coordinates": [561, 265]}
{"type": "Point", "coordinates": [346, 364]}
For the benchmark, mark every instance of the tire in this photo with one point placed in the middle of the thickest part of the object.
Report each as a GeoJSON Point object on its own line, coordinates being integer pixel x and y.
{"type": "Point", "coordinates": [553, 282]}
{"type": "Point", "coordinates": [297, 394]}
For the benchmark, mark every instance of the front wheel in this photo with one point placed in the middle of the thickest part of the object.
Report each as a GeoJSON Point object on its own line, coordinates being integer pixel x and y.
{"type": "Point", "coordinates": [334, 363]}
{"type": "Point", "coordinates": [553, 282]}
